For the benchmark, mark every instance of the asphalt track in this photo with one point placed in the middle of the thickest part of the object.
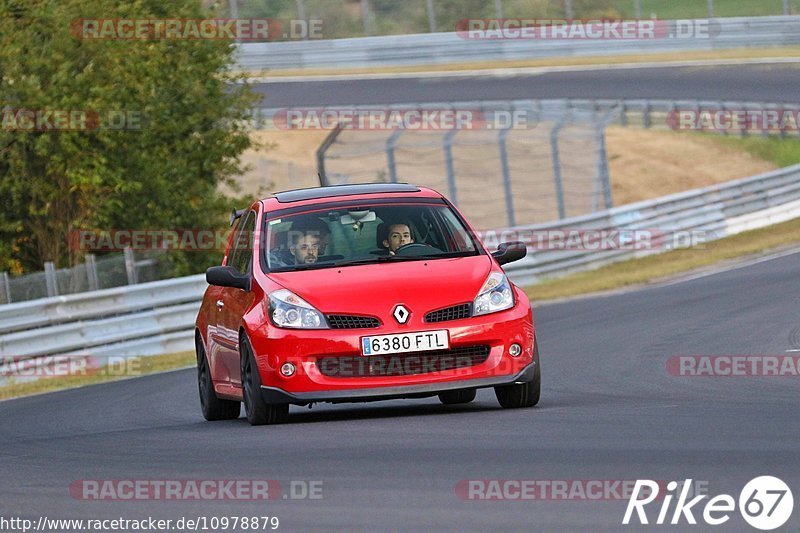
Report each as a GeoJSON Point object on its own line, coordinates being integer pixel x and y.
{"type": "Point", "coordinates": [756, 83]}
{"type": "Point", "coordinates": [609, 411]}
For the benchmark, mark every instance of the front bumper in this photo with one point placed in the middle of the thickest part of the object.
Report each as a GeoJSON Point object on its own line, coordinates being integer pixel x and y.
{"type": "Point", "coordinates": [276, 395]}
{"type": "Point", "coordinates": [306, 348]}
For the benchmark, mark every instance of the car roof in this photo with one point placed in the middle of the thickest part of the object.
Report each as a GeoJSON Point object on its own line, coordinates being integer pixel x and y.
{"type": "Point", "coordinates": [332, 191]}
{"type": "Point", "coordinates": [321, 195]}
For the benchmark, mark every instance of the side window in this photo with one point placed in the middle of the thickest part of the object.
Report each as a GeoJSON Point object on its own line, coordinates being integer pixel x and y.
{"type": "Point", "coordinates": [242, 251]}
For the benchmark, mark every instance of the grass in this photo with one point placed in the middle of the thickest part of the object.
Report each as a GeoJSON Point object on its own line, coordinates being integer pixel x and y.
{"type": "Point", "coordinates": [660, 266]}
{"type": "Point", "coordinates": [133, 368]}
{"type": "Point", "coordinates": [783, 152]}
{"type": "Point", "coordinates": [681, 9]}
{"type": "Point", "coordinates": [736, 53]}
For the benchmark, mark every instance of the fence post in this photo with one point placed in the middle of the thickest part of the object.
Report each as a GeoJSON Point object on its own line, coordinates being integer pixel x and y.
{"type": "Point", "coordinates": [568, 9]}
{"type": "Point", "coordinates": [365, 15]}
{"type": "Point", "coordinates": [506, 176]}
{"type": "Point", "coordinates": [711, 9]}
{"type": "Point", "coordinates": [431, 16]}
{"type": "Point", "coordinates": [7, 287]}
{"type": "Point", "coordinates": [390, 144]}
{"type": "Point", "coordinates": [637, 9]}
{"type": "Point", "coordinates": [301, 14]}
{"type": "Point", "coordinates": [557, 167]}
{"type": "Point", "coordinates": [602, 166]}
{"type": "Point", "coordinates": [448, 159]}
{"type": "Point", "coordinates": [646, 119]}
{"type": "Point", "coordinates": [329, 140]}
{"type": "Point", "coordinates": [498, 8]}
{"type": "Point", "coordinates": [91, 272]}
{"type": "Point", "coordinates": [130, 265]}
{"type": "Point", "coordinates": [50, 278]}
{"type": "Point", "coordinates": [786, 7]}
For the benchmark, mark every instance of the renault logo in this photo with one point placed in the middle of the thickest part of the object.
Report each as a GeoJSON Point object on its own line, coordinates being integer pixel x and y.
{"type": "Point", "coordinates": [401, 314]}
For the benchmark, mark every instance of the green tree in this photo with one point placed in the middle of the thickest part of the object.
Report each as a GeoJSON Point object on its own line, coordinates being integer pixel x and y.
{"type": "Point", "coordinates": [184, 129]}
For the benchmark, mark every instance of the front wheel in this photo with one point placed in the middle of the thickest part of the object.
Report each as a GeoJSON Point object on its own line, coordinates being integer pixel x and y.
{"type": "Point", "coordinates": [213, 408]}
{"type": "Point", "coordinates": [257, 410]}
{"type": "Point", "coordinates": [523, 394]}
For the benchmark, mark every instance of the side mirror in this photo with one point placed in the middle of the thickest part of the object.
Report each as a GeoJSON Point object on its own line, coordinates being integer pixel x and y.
{"type": "Point", "coordinates": [227, 276]}
{"type": "Point", "coordinates": [508, 252]}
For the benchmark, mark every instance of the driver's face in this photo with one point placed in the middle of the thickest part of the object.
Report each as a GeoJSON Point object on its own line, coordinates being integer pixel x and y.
{"type": "Point", "coordinates": [399, 235]}
{"type": "Point", "coordinates": [306, 250]}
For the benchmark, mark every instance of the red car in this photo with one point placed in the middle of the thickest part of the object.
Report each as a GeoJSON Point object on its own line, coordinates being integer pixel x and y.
{"type": "Point", "coordinates": [358, 293]}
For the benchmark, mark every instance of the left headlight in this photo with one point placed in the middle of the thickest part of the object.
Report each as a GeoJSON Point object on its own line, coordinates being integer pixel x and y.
{"type": "Point", "coordinates": [288, 310]}
{"type": "Point", "coordinates": [495, 295]}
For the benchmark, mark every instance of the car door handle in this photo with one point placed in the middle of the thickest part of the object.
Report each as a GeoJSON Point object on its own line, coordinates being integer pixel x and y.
{"type": "Point", "coordinates": [220, 304]}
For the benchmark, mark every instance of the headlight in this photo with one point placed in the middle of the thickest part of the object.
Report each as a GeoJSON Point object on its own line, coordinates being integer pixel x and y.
{"type": "Point", "coordinates": [495, 295]}
{"type": "Point", "coordinates": [288, 310]}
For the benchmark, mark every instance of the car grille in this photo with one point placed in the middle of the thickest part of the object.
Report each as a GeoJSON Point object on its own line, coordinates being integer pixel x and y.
{"type": "Point", "coordinates": [352, 322]}
{"type": "Point", "coordinates": [403, 364]}
{"type": "Point", "coordinates": [450, 313]}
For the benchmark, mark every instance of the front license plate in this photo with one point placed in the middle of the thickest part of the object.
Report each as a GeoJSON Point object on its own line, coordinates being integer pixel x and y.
{"type": "Point", "coordinates": [405, 342]}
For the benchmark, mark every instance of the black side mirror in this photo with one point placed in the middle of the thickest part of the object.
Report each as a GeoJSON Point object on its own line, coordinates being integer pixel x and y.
{"type": "Point", "coordinates": [227, 276]}
{"type": "Point", "coordinates": [508, 252]}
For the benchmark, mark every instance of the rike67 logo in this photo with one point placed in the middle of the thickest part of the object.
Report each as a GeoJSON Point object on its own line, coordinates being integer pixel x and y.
{"type": "Point", "coordinates": [765, 503]}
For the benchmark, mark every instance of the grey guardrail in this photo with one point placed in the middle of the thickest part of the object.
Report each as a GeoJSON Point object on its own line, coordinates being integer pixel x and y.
{"type": "Point", "coordinates": [158, 317]}
{"type": "Point", "coordinates": [712, 212]}
{"type": "Point", "coordinates": [442, 48]}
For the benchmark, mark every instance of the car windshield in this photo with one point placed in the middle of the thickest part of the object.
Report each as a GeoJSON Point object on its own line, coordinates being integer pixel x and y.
{"type": "Point", "coordinates": [335, 237]}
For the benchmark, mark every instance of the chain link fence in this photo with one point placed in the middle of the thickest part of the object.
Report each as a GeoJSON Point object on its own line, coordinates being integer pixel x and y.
{"type": "Point", "coordinates": [359, 18]}
{"type": "Point", "coordinates": [552, 168]}
{"type": "Point", "coordinates": [95, 273]}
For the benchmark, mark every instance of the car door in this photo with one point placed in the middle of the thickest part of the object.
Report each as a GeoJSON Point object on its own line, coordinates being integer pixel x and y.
{"type": "Point", "coordinates": [232, 303]}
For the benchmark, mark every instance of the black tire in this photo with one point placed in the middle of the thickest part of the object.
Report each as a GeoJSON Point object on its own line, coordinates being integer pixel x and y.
{"type": "Point", "coordinates": [454, 397]}
{"type": "Point", "coordinates": [213, 408]}
{"type": "Point", "coordinates": [524, 394]}
{"type": "Point", "coordinates": [257, 410]}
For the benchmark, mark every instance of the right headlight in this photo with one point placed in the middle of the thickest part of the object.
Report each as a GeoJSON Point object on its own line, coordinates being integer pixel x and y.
{"type": "Point", "coordinates": [288, 310]}
{"type": "Point", "coordinates": [495, 295]}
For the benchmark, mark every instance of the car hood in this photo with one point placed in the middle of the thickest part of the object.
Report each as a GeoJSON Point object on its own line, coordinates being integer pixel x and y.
{"type": "Point", "coordinates": [375, 289]}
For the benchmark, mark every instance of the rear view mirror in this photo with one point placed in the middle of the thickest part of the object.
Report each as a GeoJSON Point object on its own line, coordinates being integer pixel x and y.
{"type": "Point", "coordinates": [508, 252]}
{"type": "Point", "coordinates": [227, 276]}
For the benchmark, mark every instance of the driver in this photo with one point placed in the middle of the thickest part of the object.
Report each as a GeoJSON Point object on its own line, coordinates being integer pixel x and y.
{"type": "Point", "coordinates": [399, 234]}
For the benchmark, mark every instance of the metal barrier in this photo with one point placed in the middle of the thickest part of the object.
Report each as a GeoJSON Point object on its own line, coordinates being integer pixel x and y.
{"type": "Point", "coordinates": [446, 48]}
{"type": "Point", "coordinates": [95, 273]}
{"type": "Point", "coordinates": [158, 317]}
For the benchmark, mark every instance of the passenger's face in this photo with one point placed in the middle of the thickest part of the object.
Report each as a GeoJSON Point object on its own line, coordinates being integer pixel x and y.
{"type": "Point", "coordinates": [306, 250]}
{"type": "Point", "coordinates": [399, 235]}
